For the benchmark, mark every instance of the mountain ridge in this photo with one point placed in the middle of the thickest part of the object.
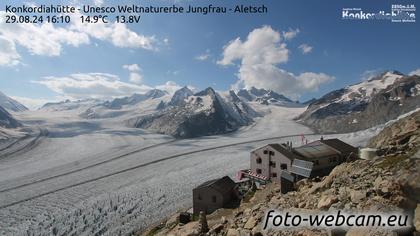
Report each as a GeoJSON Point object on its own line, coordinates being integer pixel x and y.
{"type": "Point", "coordinates": [203, 113]}
{"type": "Point", "coordinates": [11, 104]}
{"type": "Point", "coordinates": [7, 120]}
{"type": "Point", "coordinates": [363, 105]}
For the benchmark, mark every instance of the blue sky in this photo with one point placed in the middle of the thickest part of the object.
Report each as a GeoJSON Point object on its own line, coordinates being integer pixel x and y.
{"type": "Point", "coordinates": [74, 61]}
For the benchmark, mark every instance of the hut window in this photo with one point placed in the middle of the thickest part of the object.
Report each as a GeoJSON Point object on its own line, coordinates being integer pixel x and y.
{"type": "Point", "coordinates": [213, 198]}
{"type": "Point", "coordinates": [273, 164]}
{"type": "Point", "coordinates": [258, 171]}
{"type": "Point", "coordinates": [274, 175]}
{"type": "Point", "coordinates": [283, 166]}
{"type": "Point", "coordinates": [265, 152]}
{"type": "Point", "coordinates": [199, 197]}
{"type": "Point", "coordinates": [271, 153]}
{"type": "Point", "coordinates": [259, 160]}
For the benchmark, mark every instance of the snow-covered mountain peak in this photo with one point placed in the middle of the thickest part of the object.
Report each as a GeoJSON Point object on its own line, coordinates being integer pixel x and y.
{"type": "Point", "coordinates": [258, 92]}
{"type": "Point", "coordinates": [179, 96]}
{"type": "Point", "coordinates": [264, 96]}
{"type": "Point", "coordinates": [208, 91]}
{"type": "Point", "coordinates": [155, 93]}
{"type": "Point", "coordinates": [204, 113]}
{"type": "Point", "coordinates": [7, 120]}
{"type": "Point", "coordinates": [366, 89]}
{"type": "Point", "coordinates": [365, 104]}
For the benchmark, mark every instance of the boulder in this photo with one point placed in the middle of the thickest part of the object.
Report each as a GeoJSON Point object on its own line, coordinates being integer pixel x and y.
{"type": "Point", "coordinates": [326, 201]}
{"type": "Point", "coordinates": [251, 223]}
{"type": "Point", "coordinates": [217, 228]}
{"type": "Point", "coordinates": [233, 232]}
{"type": "Point", "coordinates": [357, 196]}
{"type": "Point", "coordinates": [172, 221]}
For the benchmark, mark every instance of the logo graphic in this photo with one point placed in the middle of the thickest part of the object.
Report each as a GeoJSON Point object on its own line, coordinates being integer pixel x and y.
{"type": "Point", "coordinates": [398, 14]}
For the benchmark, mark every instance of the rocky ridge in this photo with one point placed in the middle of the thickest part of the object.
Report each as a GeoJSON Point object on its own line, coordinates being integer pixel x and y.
{"type": "Point", "coordinates": [364, 105]}
{"type": "Point", "coordinates": [204, 113]}
{"type": "Point", "coordinates": [7, 120]}
{"type": "Point", "coordinates": [389, 183]}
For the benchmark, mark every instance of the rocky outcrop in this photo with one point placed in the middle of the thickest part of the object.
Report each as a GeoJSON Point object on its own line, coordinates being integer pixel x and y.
{"type": "Point", "coordinates": [359, 186]}
{"type": "Point", "coordinates": [11, 104]}
{"type": "Point", "coordinates": [178, 99]}
{"type": "Point", "coordinates": [389, 183]}
{"type": "Point", "coordinates": [364, 105]}
{"type": "Point", "coordinates": [404, 134]}
{"type": "Point", "coordinates": [7, 120]}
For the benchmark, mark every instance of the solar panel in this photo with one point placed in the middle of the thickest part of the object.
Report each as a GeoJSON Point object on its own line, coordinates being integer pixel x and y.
{"type": "Point", "coordinates": [301, 167]}
{"type": "Point", "coordinates": [313, 151]}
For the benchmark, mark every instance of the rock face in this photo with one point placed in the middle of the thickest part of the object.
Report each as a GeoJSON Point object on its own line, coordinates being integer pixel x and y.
{"type": "Point", "coordinates": [178, 99]}
{"type": "Point", "coordinates": [7, 120]}
{"type": "Point", "coordinates": [266, 97]}
{"type": "Point", "coordinates": [11, 104]}
{"type": "Point", "coordinates": [364, 105]}
{"type": "Point", "coordinates": [405, 132]}
{"type": "Point", "coordinates": [204, 113]}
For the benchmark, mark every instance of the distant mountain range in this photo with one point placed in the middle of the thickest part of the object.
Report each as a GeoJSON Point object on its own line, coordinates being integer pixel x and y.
{"type": "Point", "coordinates": [188, 114]}
{"type": "Point", "coordinates": [266, 97]}
{"type": "Point", "coordinates": [118, 103]}
{"type": "Point", "coordinates": [204, 113]}
{"type": "Point", "coordinates": [364, 105]}
{"type": "Point", "coordinates": [68, 105]}
{"type": "Point", "coordinates": [11, 104]}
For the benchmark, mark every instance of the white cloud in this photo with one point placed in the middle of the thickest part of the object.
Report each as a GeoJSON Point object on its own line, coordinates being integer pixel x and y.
{"type": "Point", "coordinates": [32, 103]}
{"type": "Point", "coordinates": [259, 56]}
{"type": "Point", "coordinates": [369, 74]}
{"type": "Point", "coordinates": [290, 34]}
{"type": "Point", "coordinates": [173, 72]}
{"type": "Point", "coordinates": [203, 56]}
{"type": "Point", "coordinates": [94, 85]}
{"type": "Point", "coordinates": [166, 41]}
{"type": "Point", "coordinates": [305, 48]}
{"type": "Point", "coordinates": [8, 54]}
{"type": "Point", "coordinates": [415, 72]}
{"type": "Point", "coordinates": [91, 85]}
{"type": "Point", "coordinates": [263, 46]}
{"type": "Point", "coordinates": [132, 67]}
{"type": "Point", "coordinates": [98, 2]}
{"type": "Point", "coordinates": [118, 34]}
{"type": "Point", "coordinates": [44, 39]}
{"type": "Point", "coordinates": [309, 81]}
{"type": "Point", "coordinates": [169, 87]}
{"type": "Point", "coordinates": [135, 76]}
{"type": "Point", "coordinates": [48, 39]}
